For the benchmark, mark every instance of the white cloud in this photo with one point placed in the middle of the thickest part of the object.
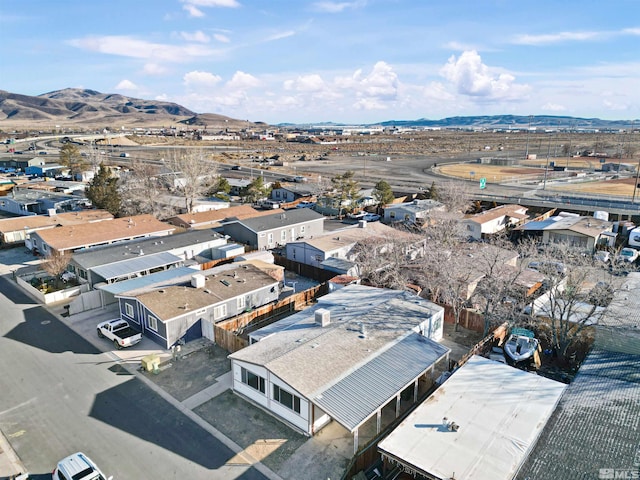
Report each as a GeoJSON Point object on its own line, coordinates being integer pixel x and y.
{"type": "Point", "coordinates": [154, 69]}
{"type": "Point", "coordinates": [197, 36]}
{"type": "Point", "coordinates": [549, 38]}
{"type": "Point", "coordinates": [214, 3]}
{"type": "Point", "coordinates": [609, 105]}
{"type": "Point", "coordinates": [306, 83]}
{"type": "Point", "coordinates": [279, 36]}
{"type": "Point", "coordinates": [461, 47]}
{"type": "Point", "coordinates": [469, 76]}
{"type": "Point", "coordinates": [191, 6]}
{"type": "Point", "coordinates": [243, 81]}
{"type": "Point", "coordinates": [338, 7]}
{"type": "Point", "coordinates": [554, 107]}
{"type": "Point", "coordinates": [126, 85]}
{"type": "Point", "coordinates": [221, 38]}
{"type": "Point", "coordinates": [127, 46]}
{"type": "Point", "coordinates": [162, 97]}
{"type": "Point", "coordinates": [200, 79]}
{"type": "Point", "coordinates": [193, 11]}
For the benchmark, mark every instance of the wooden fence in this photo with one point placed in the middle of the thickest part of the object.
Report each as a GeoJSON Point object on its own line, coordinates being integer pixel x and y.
{"type": "Point", "coordinates": [232, 334]}
{"type": "Point", "coordinates": [469, 319]}
{"type": "Point", "coordinates": [304, 270]}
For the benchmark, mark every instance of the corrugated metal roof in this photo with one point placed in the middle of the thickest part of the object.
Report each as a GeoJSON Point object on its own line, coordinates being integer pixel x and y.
{"type": "Point", "coordinates": [148, 280]}
{"type": "Point", "coordinates": [355, 398]}
{"type": "Point", "coordinates": [135, 265]}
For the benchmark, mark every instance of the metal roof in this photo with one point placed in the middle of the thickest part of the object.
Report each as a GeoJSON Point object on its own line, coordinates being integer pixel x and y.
{"type": "Point", "coordinates": [152, 279]}
{"type": "Point", "coordinates": [101, 255]}
{"type": "Point", "coordinates": [357, 397]}
{"type": "Point", "coordinates": [500, 411]}
{"type": "Point", "coordinates": [596, 427]}
{"type": "Point", "coordinates": [339, 265]}
{"type": "Point", "coordinates": [137, 264]}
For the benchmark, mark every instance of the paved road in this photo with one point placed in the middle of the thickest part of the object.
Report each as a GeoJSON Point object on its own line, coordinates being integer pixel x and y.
{"type": "Point", "coordinates": [58, 395]}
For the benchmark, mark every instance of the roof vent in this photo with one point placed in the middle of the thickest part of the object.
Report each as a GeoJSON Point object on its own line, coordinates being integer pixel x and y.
{"type": "Point", "coordinates": [161, 290]}
{"type": "Point", "coordinates": [451, 426]}
{"type": "Point", "coordinates": [363, 331]}
{"type": "Point", "coordinates": [323, 317]}
{"type": "Point", "coordinates": [185, 306]}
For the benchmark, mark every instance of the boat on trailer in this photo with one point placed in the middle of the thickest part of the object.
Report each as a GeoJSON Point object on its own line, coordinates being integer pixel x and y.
{"type": "Point", "coordinates": [521, 345]}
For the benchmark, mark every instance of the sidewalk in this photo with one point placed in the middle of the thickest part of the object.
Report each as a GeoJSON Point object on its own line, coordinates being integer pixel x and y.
{"type": "Point", "coordinates": [10, 464]}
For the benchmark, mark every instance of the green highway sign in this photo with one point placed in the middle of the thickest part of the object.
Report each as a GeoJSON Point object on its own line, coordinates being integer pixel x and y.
{"type": "Point", "coordinates": [483, 183]}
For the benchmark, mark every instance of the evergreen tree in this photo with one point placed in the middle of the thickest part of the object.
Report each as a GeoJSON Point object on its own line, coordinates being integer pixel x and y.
{"type": "Point", "coordinates": [433, 192]}
{"type": "Point", "coordinates": [382, 193]}
{"type": "Point", "coordinates": [347, 191]}
{"type": "Point", "coordinates": [255, 190]}
{"type": "Point", "coordinates": [103, 191]}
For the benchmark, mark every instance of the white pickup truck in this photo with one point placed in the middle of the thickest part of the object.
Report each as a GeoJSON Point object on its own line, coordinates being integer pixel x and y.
{"type": "Point", "coordinates": [119, 332]}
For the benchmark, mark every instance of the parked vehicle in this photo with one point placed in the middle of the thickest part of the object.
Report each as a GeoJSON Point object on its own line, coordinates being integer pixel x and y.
{"type": "Point", "coordinates": [628, 255]}
{"type": "Point", "coordinates": [306, 205]}
{"type": "Point", "coordinates": [371, 217]}
{"type": "Point", "coordinates": [119, 332]}
{"type": "Point", "coordinates": [603, 256]}
{"type": "Point", "coordinates": [300, 179]}
{"type": "Point", "coordinates": [548, 267]}
{"type": "Point", "coordinates": [269, 205]}
{"type": "Point", "coordinates": [77, 467]}
{"type": "Point", "coordinates": [521, 345]}
{"type": "Point", "coordinates": [124, 155]}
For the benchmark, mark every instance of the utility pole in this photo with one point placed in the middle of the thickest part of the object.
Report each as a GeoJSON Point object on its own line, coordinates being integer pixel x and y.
{"type": "Point", "coordinates": [546, 168]}
{"type": "Point", "coordinates": [526, 150]}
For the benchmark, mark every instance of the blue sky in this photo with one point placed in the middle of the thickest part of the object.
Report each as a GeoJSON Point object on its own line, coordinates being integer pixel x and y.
{"type": "Point", "coordinates": [352, 61]}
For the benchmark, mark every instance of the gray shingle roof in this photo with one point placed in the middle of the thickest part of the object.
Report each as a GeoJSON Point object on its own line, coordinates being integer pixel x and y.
{"type": "Point", "coordinates": [596, 425]}
{"type": "Point", "coordinates": [352, 400]}
{"type": "Point", "coordinates": [278, 220]}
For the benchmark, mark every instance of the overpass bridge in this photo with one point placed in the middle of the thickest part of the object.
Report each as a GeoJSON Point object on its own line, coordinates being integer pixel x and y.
{"type": "Point", "coordinates": [588, 204]}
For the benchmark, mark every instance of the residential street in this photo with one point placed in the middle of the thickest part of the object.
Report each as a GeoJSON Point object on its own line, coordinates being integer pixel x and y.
{"type": "Point", "coordinates": [60, 395]}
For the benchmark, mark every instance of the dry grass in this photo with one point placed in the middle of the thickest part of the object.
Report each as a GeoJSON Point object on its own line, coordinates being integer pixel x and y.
{"type": "Point", "coordinates": [493, 173]}
{"type": "Point", "coordinates": [621, 187]}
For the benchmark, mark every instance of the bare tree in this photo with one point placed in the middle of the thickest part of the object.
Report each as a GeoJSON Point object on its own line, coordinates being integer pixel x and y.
{"type": "Point", "coordinates": [55, 264]}
{"type": "Point", "coordinates": [194, 174]}
{"type": "Point", "coordinates": [141, 191]}
{"type": "Point", "coordinates": [573, 300]}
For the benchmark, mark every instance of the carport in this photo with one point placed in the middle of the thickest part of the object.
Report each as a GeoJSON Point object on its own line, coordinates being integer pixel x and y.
{"type": "Point", "coordinates": [364, 392]}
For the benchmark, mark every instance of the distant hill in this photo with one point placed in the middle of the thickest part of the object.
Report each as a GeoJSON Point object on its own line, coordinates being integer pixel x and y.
{"type": "Point", "coordinates": [76, 106]}
{"type": "Point", "coordinates": [517, 121]}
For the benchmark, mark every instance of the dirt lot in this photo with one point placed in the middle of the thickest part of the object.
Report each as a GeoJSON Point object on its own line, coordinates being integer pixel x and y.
{"type": "Point", "coordinates": [622, 187]}
{"type": "Point", "coordinates": [259, 433]}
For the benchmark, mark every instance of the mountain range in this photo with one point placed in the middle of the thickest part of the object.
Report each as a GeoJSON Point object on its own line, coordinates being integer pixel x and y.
{"type": "Point", "coordinates": [76, 106]}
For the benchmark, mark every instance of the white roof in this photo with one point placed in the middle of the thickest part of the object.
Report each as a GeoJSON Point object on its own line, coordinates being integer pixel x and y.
{"type": "Point", "coordinates": [500, 411]}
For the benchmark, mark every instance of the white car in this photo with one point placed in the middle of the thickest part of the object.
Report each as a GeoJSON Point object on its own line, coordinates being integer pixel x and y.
{"type": "Point", "coordinates": [77, 467]}
{"type": "Point", "coordinates": [627, 254]}
{"type": "Point", "coordinates": [306, 205]}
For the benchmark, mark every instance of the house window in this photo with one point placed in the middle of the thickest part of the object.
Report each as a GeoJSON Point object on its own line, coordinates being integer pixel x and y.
{"type": "Point", "coordinates": [241, 302]}
{"type": "Point", "coordinates": [128, 310]}
{"type": "Point", "coordinates": [270, 238]}
{"type": "Point", "coordinates": [301, 228]}
{"type": "Point", "coordinates": [283, 235]}
{"type": "Point", "coordinates": [392, 214]}
{"type": "Point", "coordinates": [219, 312]}
{"type": "Point", "coordinates": [254, 381]}
{"type": "Point", "coordinates": [277, 193]}
{"type": "Point", "coordinates": [287, 399]}
{"type": "Point", "coordinates": [153, 323]}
